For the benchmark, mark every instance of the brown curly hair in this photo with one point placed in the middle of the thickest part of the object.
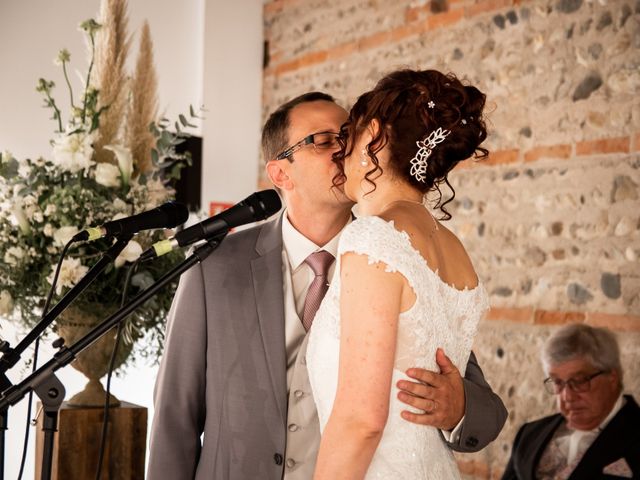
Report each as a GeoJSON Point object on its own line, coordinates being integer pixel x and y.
{"type": "Point", "coordinates": [409, 105]}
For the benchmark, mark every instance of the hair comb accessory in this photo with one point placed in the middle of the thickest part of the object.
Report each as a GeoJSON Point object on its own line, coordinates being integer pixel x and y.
{"type": "Point", "coordinates": [431, 104]}
{"type": "Point", "coordinates": [419, 162]}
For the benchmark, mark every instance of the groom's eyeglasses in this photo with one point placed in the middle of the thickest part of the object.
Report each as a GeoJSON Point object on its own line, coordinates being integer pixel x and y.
{"type": "Point", "coordinates": [319, 140]}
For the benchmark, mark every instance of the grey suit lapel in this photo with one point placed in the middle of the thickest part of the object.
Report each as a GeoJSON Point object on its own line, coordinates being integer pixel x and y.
{"type": "Point", "coordinates": [268, 289]}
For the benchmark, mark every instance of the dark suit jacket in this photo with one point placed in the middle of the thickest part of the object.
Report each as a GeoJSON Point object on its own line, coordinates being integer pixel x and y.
{"type": "Point", "coordinates": [619, 439]}
{"type": "Point", "coordinates": [223, 372]}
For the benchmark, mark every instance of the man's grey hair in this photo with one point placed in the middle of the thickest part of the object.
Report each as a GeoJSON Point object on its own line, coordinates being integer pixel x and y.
{"type": "Point", "coordinates": [598, 346]}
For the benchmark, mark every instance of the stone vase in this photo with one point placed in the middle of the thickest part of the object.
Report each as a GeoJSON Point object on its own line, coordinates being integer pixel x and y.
{"type": "Point", "coordinates": [93, 362]}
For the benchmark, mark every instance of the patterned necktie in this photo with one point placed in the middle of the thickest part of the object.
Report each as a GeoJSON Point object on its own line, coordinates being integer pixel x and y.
{"type": "Point", "coordinates": [319, 263]}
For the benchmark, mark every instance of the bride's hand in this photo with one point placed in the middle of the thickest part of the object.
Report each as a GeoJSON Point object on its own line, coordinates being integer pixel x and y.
{"type": "Point", "coordinates": [439, 395]}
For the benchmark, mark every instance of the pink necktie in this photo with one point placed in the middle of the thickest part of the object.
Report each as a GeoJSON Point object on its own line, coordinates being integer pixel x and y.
{"type": "Point", "coordinates": [319, 263]}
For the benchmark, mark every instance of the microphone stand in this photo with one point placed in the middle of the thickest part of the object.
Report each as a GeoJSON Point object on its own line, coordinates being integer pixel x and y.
{"type": "Point", "coordinates": [49, 388]}
{"type": "Point", "coordinates": [11, 356]}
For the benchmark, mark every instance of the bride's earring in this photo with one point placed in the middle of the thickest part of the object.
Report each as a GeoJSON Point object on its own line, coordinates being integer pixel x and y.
{"type": "Point", "coordinates": [363, 159]}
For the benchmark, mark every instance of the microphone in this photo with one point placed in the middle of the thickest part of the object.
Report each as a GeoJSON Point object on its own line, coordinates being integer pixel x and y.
{"type": "Point", "coordinates": [257, 206]}
{"type": "Point", "coordinates": [167, 215]}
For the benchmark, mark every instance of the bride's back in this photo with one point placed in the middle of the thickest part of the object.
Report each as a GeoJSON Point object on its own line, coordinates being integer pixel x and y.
{"type": "Point", "coordinates": [440, 248]}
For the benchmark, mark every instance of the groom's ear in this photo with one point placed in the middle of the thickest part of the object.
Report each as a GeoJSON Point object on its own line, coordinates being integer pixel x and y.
{"type": "Point", "coordinates": [277, 173]}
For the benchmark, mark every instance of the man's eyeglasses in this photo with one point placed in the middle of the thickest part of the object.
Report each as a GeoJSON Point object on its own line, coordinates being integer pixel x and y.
{"type": "Point", "coordinates": [320, 141]}
{"type": "Point", "coordinates": [578, 384]}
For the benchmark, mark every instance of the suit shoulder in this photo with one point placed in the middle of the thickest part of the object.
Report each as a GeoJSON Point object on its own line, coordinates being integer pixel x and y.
{"type": "Point", "coordinates": [243, 243]}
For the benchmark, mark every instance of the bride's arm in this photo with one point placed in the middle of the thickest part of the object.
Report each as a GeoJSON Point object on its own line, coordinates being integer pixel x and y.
{"type": "Point", "coordinates": [370, 301]}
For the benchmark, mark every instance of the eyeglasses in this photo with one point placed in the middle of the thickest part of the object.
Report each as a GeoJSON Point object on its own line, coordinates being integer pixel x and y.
{"type": "Point", "coordinates": [578, 384]}
{"type": "Point", "coordinates": [319, 140]}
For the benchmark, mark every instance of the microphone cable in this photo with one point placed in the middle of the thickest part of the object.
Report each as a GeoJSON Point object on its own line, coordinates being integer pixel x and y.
{"type": "Point", "coordinates": [36, 347]}
{"type": "Point", "coordinates": [114, 352]}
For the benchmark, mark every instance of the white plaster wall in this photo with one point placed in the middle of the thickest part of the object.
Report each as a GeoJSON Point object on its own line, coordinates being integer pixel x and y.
{"type": "Point", "coordinates": [207, 52]}
{"type": "Point", "coordinates": [232, 97]}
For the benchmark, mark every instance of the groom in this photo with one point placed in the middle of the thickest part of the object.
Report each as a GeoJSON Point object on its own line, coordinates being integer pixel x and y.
{"type": "Point", "coordinates": [232, 398]}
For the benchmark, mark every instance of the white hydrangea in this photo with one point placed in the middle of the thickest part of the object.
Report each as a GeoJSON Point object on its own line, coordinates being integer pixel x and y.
{"type": "Point", "coordinates": [73, 152]}
{"type": "Point", "coordinates": [71, 271]}
{"type": "Point", "coordinates": [62, 235]}
{"type": "Point", "coordinates": [13, 256]}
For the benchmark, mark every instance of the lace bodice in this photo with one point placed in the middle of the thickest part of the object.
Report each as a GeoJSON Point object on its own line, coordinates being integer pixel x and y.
{"type": "Point", "coordinates": [442, 316]}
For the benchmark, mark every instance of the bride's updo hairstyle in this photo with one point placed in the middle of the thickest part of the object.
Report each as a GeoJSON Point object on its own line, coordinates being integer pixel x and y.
{"type": "Point", "coordinates": [409, 106]}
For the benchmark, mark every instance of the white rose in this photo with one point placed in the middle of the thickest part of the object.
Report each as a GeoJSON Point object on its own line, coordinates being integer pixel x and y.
{"type": "Point", "coordinates": [50, 209]}
{"type": "Point", "coordinates": [48, 230]}
{"type": "Point", "coordinates": [120, 205]}
{"type": "Point", "coordinates": [62, 235]}
{"type": "Point", "coordinates": [108, 175]}
{"type": "Point", "coordinates": [5, 156]}
{"type": "Point", "coordinates": [13, 255]}
{"type": "Point", "coordinates": [125, 161]}
{"type": "Point", "coordinates": [6, 303]}
{"type": "Point", "coordinates": [73, 152]}
{"type": "Point", "coordinates": [71, 271]}
{"type": "Point", "coordinates": [130, 253]}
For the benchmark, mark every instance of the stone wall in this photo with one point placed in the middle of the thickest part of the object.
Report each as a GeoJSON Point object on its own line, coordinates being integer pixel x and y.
{"type": "Point", "coordinates": [552, 217]}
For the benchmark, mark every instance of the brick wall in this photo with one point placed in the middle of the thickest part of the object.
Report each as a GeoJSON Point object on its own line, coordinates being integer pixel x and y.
{"type": "Point", "coordinates": [552, 218]}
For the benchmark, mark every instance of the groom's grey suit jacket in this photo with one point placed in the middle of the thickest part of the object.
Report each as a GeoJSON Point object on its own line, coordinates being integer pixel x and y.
{"type": "Point", "coordinates": [223, 372]}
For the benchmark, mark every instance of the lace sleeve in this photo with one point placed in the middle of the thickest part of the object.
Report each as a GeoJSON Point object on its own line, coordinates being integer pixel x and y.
{"type": "Point", "coordinates": [380, 242]}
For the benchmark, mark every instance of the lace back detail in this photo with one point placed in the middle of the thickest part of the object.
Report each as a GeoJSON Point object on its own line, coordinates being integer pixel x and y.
{"type": "Point", "coordinates": [442, 316]}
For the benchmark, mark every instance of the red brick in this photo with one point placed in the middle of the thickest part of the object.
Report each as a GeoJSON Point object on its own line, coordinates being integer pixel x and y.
{"type": "Point", "coordinates": [312, 58]}
{"type": "Point", "coordinates": [485, 6]}
{"type": "Point", "coordinates": [276, 6]}
{"type": "Point", "coordinates": [623, 323]}
{"type": "Point", "coordinates": [287, 67]}
{"type": "Point", "coordinates": [549, 317]}
{"type": "Point", "coordinates": [605, 145]}
{"type": "Point", "coordinates": [342, 50]}
{"type": "Point", "coordinates": [405, 31]}
{"type": "Point", "coordinates": [519, 315]}
{"type": "Point", "coordinates": [636, 142]}
{"type": "Point", "coordinates": [412, 14]}
{"type": "Point", "coordinates": [550, 151]}
{"type": "Point", "coordinates": [446, 18]}
{"type": "Point", "coordinates": [501, 157]}
{"type": "Point", "coordinates": [374, 40]}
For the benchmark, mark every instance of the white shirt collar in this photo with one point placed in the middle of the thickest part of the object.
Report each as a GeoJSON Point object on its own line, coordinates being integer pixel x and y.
{"type": "Point", "coordinates": [299, 247]}
{"type": "Point", "coordinates": [614, 411]}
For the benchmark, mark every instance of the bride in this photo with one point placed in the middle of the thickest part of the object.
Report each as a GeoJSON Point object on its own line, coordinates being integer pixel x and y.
{"type": "Point", "coordinates": [406, 286]}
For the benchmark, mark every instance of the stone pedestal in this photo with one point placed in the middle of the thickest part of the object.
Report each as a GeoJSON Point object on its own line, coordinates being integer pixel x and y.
{"type": "Point", "coordinates": [77, 443]}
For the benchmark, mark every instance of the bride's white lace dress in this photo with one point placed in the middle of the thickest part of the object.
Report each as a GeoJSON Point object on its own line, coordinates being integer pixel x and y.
{"type": "Point", "coordinates": [442, 316]}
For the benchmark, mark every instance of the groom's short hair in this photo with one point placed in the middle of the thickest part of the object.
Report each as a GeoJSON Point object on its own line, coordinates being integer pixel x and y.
{"type": "Point", "coordinates": [274, 132]}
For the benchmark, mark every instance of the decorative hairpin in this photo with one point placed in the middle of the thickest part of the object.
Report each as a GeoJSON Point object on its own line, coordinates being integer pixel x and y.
{"type": "Point", "coordinates": [431, 104]}
{"type": "Point", "coordinates": [419, 162]}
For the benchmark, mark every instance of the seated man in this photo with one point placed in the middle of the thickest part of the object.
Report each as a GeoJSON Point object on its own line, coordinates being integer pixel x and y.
{"type": "Point", "coordinates": [597, 432]}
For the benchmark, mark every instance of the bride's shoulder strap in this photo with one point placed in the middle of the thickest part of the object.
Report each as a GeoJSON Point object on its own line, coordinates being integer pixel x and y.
{"type": "Point", "coordinates": [379, 240]}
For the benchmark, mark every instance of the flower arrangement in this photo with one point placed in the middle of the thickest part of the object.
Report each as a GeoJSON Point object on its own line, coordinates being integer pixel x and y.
{"type": "Point", "coordinates": [110, 158]}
